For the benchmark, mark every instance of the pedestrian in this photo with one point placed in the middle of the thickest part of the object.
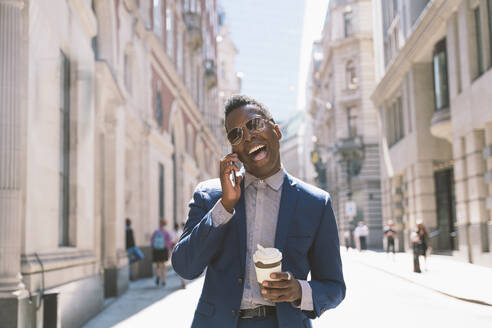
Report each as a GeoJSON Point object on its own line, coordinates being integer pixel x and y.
{"type": "Point", "coordinates": [346, 236]}
{"type": "Point", "coordinates": [161, 243]}
{"type": "Point", "coordinates": [362, 231]}
{"type": "Point", "coordinates": [390, 234]}
{"type": "Point", "coordinates": [259, 204]}
{"type": "Point", "coordinates": [423, 242]}
{"type": "Point", "coordinates": [414, 238]}
{"type": "Point", "coordinates": [134, 253]}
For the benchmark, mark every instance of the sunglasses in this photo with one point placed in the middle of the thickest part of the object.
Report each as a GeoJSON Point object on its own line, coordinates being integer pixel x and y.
{"type": "Point", "coordinates": [254, 125]}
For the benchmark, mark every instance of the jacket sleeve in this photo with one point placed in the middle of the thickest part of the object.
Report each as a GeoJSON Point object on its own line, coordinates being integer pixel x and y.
{"type": "Point", "coordinates": [327, 284]}
{"type": "Point", "coordinates": [201, 240]}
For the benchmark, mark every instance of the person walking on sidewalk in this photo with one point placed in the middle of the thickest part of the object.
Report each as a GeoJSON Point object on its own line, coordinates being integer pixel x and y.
{"type": "Point", "coordinates": [346, 236]}
{"type": "Point", "coordinates": [362, 231]}
{"type": "Point", "coordinates": [134, 253]}
{"type": "Point", "coordinates": [161, 243]}
{"type": "Point", "coordinates": [265, 205]}
{"type": "Point", "coordinates": [420, 242]}
{"type": "Point", "coordinates": [390, 234]}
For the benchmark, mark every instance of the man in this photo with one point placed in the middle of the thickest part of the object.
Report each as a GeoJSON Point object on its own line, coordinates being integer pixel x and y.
{"type": "Point", "coordinates": [134, 253]}
{"type": "Point", "coordinates": [265, 206]}
{"type": "Point", "coordinates": [390, 235]}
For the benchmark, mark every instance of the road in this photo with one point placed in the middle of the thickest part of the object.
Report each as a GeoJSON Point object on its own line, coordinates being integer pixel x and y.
{"type": "Point", "coordinates": [374, 299]}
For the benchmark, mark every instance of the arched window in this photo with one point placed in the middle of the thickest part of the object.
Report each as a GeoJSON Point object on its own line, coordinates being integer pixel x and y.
{"type": "Point", "coordinates": [351, 75]}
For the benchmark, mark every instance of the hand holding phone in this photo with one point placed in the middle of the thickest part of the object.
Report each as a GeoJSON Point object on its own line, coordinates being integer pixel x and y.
{"type": "Point", "coordinates": [231, 190]}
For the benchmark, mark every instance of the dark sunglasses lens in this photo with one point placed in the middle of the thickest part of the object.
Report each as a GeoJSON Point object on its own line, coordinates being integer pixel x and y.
{"type": "Point", "coordinates": [256, 124]}
{"type": "Point", "coordinates": [234, 136]}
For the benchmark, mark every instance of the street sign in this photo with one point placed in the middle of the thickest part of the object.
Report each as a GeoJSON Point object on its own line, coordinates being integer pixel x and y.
{"type": "Point", "coordinates": [351, 209]}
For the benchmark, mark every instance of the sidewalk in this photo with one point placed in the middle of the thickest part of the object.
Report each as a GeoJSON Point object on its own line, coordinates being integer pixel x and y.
{"type": "Point", "coordinates": [147, 305]}
{"type": "Point", "coordinates": [468, 282]}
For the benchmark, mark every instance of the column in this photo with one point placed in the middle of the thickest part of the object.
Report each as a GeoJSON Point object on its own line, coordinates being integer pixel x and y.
{"type": "Point", "coordinates": [461, 194]}
{"type": "Point", "coordinates": [10, 145]}
{"type": "Point", "coordinates": [475, 143]}
{"type": "Point", "coordinates": [487, 155]}
{"type": "Point", "coordinates": [11, 126]}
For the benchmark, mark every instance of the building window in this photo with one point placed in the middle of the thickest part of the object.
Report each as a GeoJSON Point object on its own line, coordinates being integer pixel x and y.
{"type": "Point", "coordinates": [128, 73]}
{"type": "Point", "coordinates": [169, 31]}
{"type": "Point", "coordinates": [350, 75]}
{"type": "Point", "coordinates": [441, 90]}
{"type": "Point", "coordinates": [157, 18]}
{"type": "Point", "coordinates": [161, 191]}
{"type": "Point", "coordinates": [394, 122]}
{"type": "Point", "coordinates": [64, 170]}
{"type": "Point", "coordinates": [478, 37]}
{"type": "Point", "coordinates": [158, 109]}
{"type": "Point", "coordinates": [190, 5]}
{"type": "Point", "coordinates": [352, 115]}
{"type": "Point", "coordinates": [489, 9]}
{"type": "Point", "coordinates": [347, 23]}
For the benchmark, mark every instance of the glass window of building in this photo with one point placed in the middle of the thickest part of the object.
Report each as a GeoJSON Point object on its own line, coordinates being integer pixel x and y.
{"type": "Point", "coordinates": [478, 39]}
{"type": "Point", "coordinates": [169, 31]}
{"type": "Point", "coordinates": [489, 9]}
{"type": "Point", "coordinates": [64, 169]}
{"type": "Point", "coordinates": [352, 120]}
{"type": "Point", "coordinates": [394, 122]}
{"type": "Point", "coordinates": [157, 18]}
{"type": "Point", "coordinates": [158, 109]}
{"type": "Point", "coordinates": [440, 66]}
{"type": "Point", "coordinates": [347, 23]}
{"type": "Point", "coordinates": [351, 75]}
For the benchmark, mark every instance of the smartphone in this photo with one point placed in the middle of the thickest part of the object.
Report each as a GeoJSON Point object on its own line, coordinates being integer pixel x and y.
{"type": "Point", "coordinates": [234, 177]}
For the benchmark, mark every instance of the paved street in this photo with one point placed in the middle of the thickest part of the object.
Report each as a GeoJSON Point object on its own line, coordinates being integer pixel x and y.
{"type": "Point", "coordinates": [374, 299]}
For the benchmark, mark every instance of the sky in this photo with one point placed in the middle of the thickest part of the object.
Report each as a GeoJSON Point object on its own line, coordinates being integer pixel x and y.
{"type": "Point", "coordinates": [274, 39]}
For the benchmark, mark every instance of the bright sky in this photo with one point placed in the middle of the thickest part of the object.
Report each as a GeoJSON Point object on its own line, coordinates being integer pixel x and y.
{"type": "Point", "coordinates": [314, 17]}
{"type": "Point", "coordinates": [274, 39]}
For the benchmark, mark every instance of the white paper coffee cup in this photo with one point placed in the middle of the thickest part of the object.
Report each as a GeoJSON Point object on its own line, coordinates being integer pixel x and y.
{"type": "Point", "coordinates": [267, 261]}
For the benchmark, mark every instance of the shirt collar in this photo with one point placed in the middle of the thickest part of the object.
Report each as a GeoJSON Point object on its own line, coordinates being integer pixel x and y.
{"type": "Point", "coordinates": [275, 181]}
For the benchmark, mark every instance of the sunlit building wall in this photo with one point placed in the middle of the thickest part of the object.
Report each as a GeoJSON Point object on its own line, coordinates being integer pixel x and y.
{"type": "Point", "coordinates": [103, 108]}
{"type": "Point", "coordinates": [433, 61]}
{"type": "Point", "coordinates": [344, 119]}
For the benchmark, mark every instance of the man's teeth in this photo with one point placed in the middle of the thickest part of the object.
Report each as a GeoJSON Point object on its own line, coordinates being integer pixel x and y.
{"type": "Point", "coordinates": [255, 149]}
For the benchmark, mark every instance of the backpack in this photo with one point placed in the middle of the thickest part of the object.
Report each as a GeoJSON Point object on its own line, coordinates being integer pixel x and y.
{"type": "Point", "coordinates": [159, 241]}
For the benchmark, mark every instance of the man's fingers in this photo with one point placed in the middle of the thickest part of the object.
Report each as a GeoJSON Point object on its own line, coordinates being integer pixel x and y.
{"type": "Point", "coordinates": [277, 284]}
{"type": "Point", "coordinates": [282, 275]}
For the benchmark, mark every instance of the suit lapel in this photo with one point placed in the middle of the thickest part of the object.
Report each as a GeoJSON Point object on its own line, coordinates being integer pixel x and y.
{"type": "Point", "coordinates": [288, 202]}
{"type": "Point", "coordinates": [241, 226]}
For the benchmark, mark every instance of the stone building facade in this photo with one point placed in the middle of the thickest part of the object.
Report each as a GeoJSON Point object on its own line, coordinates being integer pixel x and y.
{"type": "Point", "coordinates": [346, 149]}
{"type": "Point", "coordinates": [433, 94]}
{"type": "Point", "coordinates": [103, 116]}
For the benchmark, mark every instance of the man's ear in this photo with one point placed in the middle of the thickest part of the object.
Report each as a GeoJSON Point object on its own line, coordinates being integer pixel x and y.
{"type": "Point", "coordinates": [277, 131]}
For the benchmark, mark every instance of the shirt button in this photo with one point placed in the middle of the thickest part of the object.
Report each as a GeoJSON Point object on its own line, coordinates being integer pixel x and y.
{"type": "Point", "coordinates": [240, 281]}
{"type": "Point", "coordinates": [233, 313]}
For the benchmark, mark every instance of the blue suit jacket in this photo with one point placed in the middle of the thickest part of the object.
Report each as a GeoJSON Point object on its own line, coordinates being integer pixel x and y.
{"type": "Point", "coordinates": [306, 235]}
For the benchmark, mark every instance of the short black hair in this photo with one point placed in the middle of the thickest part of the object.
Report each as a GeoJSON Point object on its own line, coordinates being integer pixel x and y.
{"type": "Point", "coordinates": [236, 101]}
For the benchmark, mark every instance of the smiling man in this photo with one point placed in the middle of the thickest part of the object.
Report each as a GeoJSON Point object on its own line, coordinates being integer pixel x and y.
{"type": "Point", "coordinates": [264, 206]}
